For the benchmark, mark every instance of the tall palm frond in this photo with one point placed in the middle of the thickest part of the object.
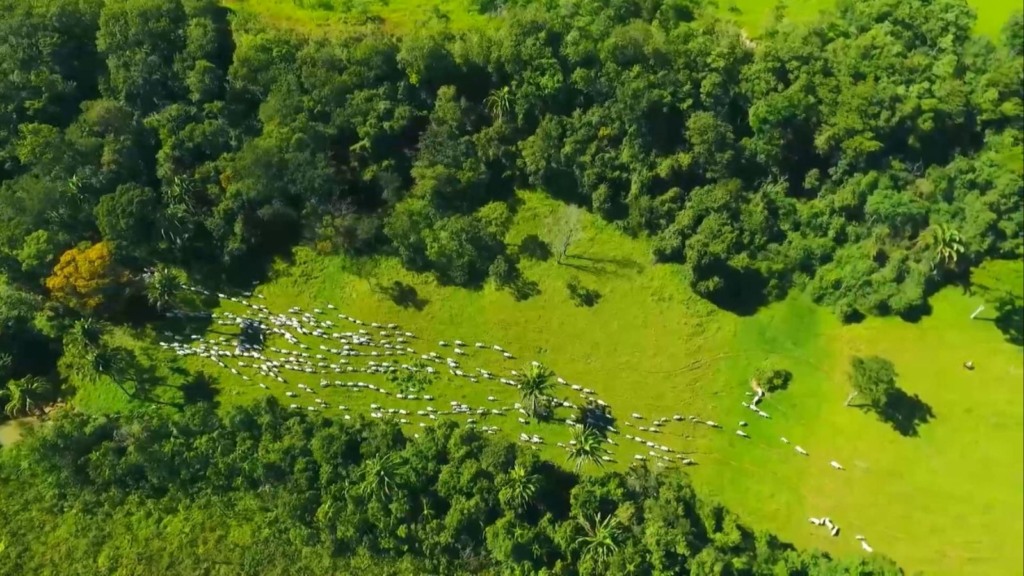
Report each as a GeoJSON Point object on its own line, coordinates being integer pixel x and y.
{"type": "Point", "coordinates": [534, 385]}
{"type": "Point", "coordinates": [600, 540]}
{"type": "Point", "coordinates": [518, 488]}
{"type": "Point", "coordinates": [586, 447]}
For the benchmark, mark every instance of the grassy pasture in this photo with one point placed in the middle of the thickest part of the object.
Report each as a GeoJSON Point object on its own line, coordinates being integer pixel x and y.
{"type": "Point", "coordinates": [323, 16]}
{"type": "Point", "coordinates": [943, 496]}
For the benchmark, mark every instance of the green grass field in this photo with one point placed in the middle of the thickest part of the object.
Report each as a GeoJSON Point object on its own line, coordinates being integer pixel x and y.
{"type": "Point", "coordinates": [753, 14]}
{"type": "Point", "coordinates": [324, 16]}
{"type": "Point", "coordinates": [946, 500]}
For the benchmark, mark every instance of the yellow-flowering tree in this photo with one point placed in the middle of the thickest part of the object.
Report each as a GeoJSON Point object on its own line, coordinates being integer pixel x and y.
{"type": "Point", "coordinates": [84, 277]}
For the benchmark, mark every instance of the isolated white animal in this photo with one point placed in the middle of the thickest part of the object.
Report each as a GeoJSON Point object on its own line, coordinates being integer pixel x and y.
{"type": "Point", "coordinates": [836, 465]}
{"type": "Point", "coordinates": [800, 450]}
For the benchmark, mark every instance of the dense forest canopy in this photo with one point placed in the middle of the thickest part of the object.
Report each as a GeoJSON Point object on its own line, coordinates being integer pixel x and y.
{"type": "Point", "coordinates": [264, 490]}
{"type": "Point", "coordinates": [868, 158]}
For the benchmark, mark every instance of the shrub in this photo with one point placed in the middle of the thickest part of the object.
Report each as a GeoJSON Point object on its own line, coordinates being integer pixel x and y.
{"type": "Point", "coordinates": [772, 379]}
{"type": "Point", "coordinates": [504, 271]}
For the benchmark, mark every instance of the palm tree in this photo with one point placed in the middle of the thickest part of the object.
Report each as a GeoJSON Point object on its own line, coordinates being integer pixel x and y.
{"type": "Point", "coordinates": [499, 103]}
{"type": "Point", "coordinates": [945, 243]}
{"type": "Point", "coordinates": [379, 476]}
{"type": "Point", "coordinates": [534, 384]}
{"type": "Point", "coordinates": [6, 361]}
{"type": "Point", "coordinates": [518, 488]}
{"type": "Point", "coordinates": [585, 447]}
{"type": "Point", "coordinates": [86, 336]}
{"type": "Point", "coordinates": [600, 539]}
{"type": "Point", "coordinates": [24, 396]}
{"type": "Point", "coordinates": [163, 286]}
{"type": "Point", "coordinates": [84, 343]}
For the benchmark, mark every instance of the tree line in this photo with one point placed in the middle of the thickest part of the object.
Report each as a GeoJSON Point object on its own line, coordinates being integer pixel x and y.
{"type": "Point", "coordinates": [264, 490]}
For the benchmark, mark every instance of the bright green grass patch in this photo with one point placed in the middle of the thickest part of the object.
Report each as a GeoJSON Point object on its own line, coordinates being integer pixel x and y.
{"type": "Point", "coordinates": [753, 15]}
{"type": "Point", "coordinates": [945, 501]}
{"type": "Point", "coordinates": [993, 14]}
{"type": "Point", "coordinates": [161, 382]}
{"type": "Point", "coordinates": [325, 16]}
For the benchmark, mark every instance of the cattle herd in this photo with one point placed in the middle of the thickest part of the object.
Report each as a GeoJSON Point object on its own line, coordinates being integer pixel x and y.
{"type": "Point", "coordinates": [300, 353]}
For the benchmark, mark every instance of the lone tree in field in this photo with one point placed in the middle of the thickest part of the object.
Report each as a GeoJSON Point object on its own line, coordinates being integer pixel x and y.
{"type": "Point", "coordinates": [872, 378]}
{"type": "Point", "coordinates": [566, 230]}
{"type": "Point", "coordinates": [587, 447]}
{"type": "Point", "coordinates": [771, 378]}
{"type": "Point", "coordinates": [535, 384]}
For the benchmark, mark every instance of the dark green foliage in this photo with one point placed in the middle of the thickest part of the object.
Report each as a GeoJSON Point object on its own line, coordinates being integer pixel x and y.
{"type": "Point", "coordinates": [869, 157]}
{"type": "Point", "coordinates": [262, 490]}
{"type": "Point", "coordinates": [504, 271]}
{"type": "Point", "coordinates": [873, 380]}
{"type": "Point", "coordinates": [772, 379]}
{"type": "Point", "coordinates": [1013, 33]}
{"type": "Point", "coordinates": [580, 294]}
{"type": "Point", "coordinates": [865, 155]}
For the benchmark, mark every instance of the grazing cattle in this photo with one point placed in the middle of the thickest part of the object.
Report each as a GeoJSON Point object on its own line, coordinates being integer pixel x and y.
{"type": "Point", "coordinates": [816, 521]}
{"type": "Point", "coordinates": [836, 465]}
{"type": "Point", "coordinates": [800, 450]}
{"type": "Point", "coordinates": [742, 433]}
{"type": "Point", "coordinates": [866, 547]}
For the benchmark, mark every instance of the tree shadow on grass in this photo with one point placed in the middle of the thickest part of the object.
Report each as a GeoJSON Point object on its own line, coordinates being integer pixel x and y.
{"type": "Point", "coordinates": [402, 295]}
{"type": "Point", "coordinates": [916, 313]}
{"type": "Point", "coordinates": [905, 413]}
{"type": "Point", "coordinates": [624, 264]}
{"type": "Point", "coordinates": [601, 267]}
{"type": "Point", "coordinates": [524, 289]}
{"type": "Point", "coordinates": [745, 299]}
{"type": "Point", "coordinates": [200, 388]}
{"type": "Point", "coordinates": [1010, 321]}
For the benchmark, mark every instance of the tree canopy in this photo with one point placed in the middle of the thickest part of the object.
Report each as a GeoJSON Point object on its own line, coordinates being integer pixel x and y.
{"type": "Point", "coordinates": [261, 489]}
{"type": "Point", "coordinates": [866, 156]}
{"type": "Point", "coordinates": [873, 379]}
